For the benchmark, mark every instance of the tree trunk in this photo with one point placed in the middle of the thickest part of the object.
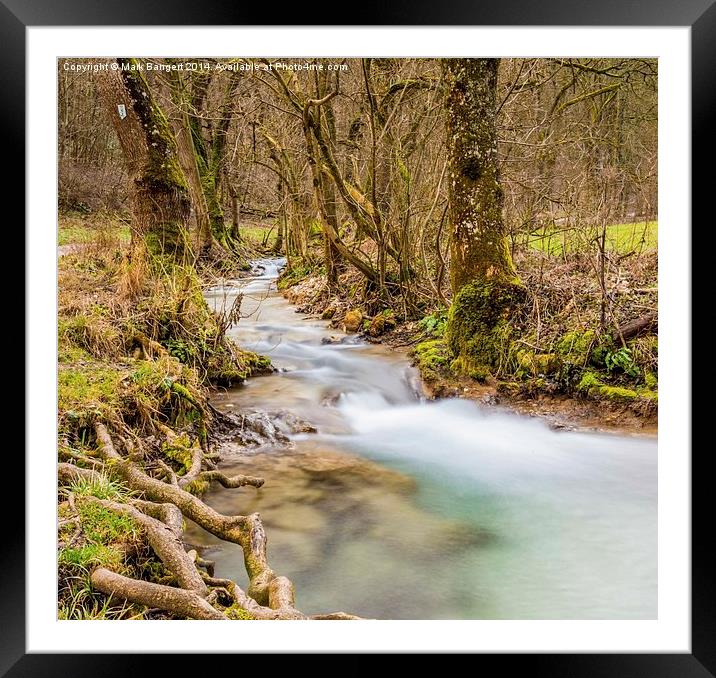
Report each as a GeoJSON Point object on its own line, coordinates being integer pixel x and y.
{"type": "Point", "coordinates": [160, 200]}
{"type": "Point", "coordinates": [485, 286]}
{"type": "Point", "coordinates": [235, 226]}
{"type": "Point", "coordinates": [332, 256]}
{"type": "Point", "coordinates": [189, 163]}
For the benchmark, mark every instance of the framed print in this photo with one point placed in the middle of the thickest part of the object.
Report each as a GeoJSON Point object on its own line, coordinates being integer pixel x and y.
{"type": "Point", "coordinates": [357, 330]}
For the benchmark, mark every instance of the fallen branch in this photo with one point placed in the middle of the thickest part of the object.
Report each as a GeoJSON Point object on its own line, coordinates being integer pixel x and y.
{"type": "Point", "coordinates": [634, 328]}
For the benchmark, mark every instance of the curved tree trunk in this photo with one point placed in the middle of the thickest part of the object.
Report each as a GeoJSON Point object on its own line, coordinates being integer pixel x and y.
{"type": "Point", "coordinates": [161, 205]}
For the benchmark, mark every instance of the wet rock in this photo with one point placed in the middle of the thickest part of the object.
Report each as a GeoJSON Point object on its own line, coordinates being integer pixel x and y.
{"type": "Point", "coordinates": [331, 340]}
{"type": "Point", "coordinates": [329, 312]}
{"type": "Point", "coordinates": [380, 324]}
{"type": "Point", "coordinates": [255, 429]}
{"type": "Point", "coordinates": [252, 429]}
{"type": "Point", "coordinates": [352, 320]}
{"type": "Point", "coordinates": [331, 399]}
{"type": "Point", "coordinates": [342, 469]}
{"type": "Point", "coordinates": [297, 517]}
{"type": "Point", "coordinates": [288, 422]}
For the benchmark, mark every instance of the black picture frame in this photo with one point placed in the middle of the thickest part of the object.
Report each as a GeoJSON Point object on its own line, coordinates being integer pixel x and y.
{"type": "Point", "coordinates": [700, 15]}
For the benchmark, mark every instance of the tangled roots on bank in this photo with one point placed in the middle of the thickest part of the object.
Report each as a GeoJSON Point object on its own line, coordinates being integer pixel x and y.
{"type": "Point", "coordinates": [135, 452]}
{"type": "Point", "coordinates": [141, 503]}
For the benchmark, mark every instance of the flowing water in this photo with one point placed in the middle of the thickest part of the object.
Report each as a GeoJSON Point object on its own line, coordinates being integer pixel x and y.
{"type": "Point", "coordinates": [400, 508]}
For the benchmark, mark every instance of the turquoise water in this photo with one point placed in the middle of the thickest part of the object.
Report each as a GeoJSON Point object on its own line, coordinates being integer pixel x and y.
{"type": "Point", "coordinates": [404, 509]}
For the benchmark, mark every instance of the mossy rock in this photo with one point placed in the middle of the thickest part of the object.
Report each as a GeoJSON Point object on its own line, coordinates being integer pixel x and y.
{"type": "Point", "coordinates": [353, 320]}
{"type": "Point", "coordinates": [381, 323]}
{"type": "Point", "coordinates": [432, 358]}
{"type": "Point", "coordinates": [576, 347]}
{"type": "Point", "coordinates": [328, 312]}
{"type": "Point", "coordinates": [468, 367]}
{"type": "Point", "coordinates": [592, 386]}
{"type": "Point", "coordinates": [539, 363]}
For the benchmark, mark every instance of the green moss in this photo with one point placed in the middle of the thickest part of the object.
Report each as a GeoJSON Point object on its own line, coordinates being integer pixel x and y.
{"type": "Point", "coordinates": [197, 487]}
{"type": "Point", "coordinates": [478, 325]}
{"type": "Point", "coordinates": [381, 323]}
{"type": "Point", "coordinates": [650, 379]}
{"type": "Point", "coordinates": [538, 363]}
{"type": "Point", "coordinates": [576, 347]}
{"type": "Point", "coordinates": [236, 612]}
{"type": "Point", "coordinates": [469, 367]}
{"type": "Point", "coordinates": [592, 386]}
{"type": "Point", "coordinates": [179, 450]}
{"type": "Point", "coordinates": [589, 380]}
{"type": "Point", "coordinates": [617, 393]}
{"type": "Point", "coordinates": [648, 394]}
{"type": "Point", "coordinates": [432, 358]}
{"type": "Point", "coordinates": [228, 365]}
{"type": "Point", "coordinates": [84, 394]}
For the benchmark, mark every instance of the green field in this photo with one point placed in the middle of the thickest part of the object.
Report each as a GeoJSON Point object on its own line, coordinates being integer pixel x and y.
{"type": "Point", "coordinates": [74, 230]}
{"type": "Point", "coordinates": [639, 236]}
{"type": "Point", "coordinates": [257, 234]}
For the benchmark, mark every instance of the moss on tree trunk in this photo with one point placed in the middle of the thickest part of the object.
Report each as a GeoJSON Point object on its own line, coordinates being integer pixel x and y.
{"type": "Point", "coordinates": [486, 288]}
{"type": "Point", "coordinates": [160, 195]}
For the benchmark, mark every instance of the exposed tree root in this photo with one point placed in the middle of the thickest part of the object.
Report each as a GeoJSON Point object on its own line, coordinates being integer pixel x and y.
{"type": "Point", "coordinates": [169, 514]}
{"type": "Point", "coordinates": [160, 514]}
{"type": "Point", "coordinates": [180, 602]}
{"type": "Point", "coordinates": [166, 545]}
{"type": "Point", "coordinates": [69, 473]}
{"type": "Point", "coordinates": [233, 481]}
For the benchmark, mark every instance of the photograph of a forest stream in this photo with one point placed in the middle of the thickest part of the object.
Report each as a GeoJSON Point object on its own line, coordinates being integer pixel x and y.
{"type": "Point", "coordinates": [396, 505]}
{"type": "Point", "coordinates": [357, 339]}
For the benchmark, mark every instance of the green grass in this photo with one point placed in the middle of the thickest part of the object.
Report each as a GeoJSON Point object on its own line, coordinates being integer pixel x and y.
{"type": "Point", "coordinates": [88, 389]}
{"type": "Point", "coordinates": [100, 486]}
{"type": "Point", "coordinates": [623, 238]}
{"type": "Point", "coordinates": [257, 234]}
{"type": "Point", "coordinates": [71, 234]}
{"type": "Point", "coordinates": [81, 230]}
{"type": "Point", "coordinates": [90, 555]}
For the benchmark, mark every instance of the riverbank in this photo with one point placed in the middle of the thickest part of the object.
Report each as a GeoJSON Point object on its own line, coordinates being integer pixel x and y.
{"type": "Point", "coordinates": [583, 381]}
{"type": "Point", "coordinates": [139, 352]}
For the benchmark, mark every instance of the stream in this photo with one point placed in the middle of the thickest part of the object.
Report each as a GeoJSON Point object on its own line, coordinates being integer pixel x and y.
{"type": "Point", "coordinates": [389, 506]}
